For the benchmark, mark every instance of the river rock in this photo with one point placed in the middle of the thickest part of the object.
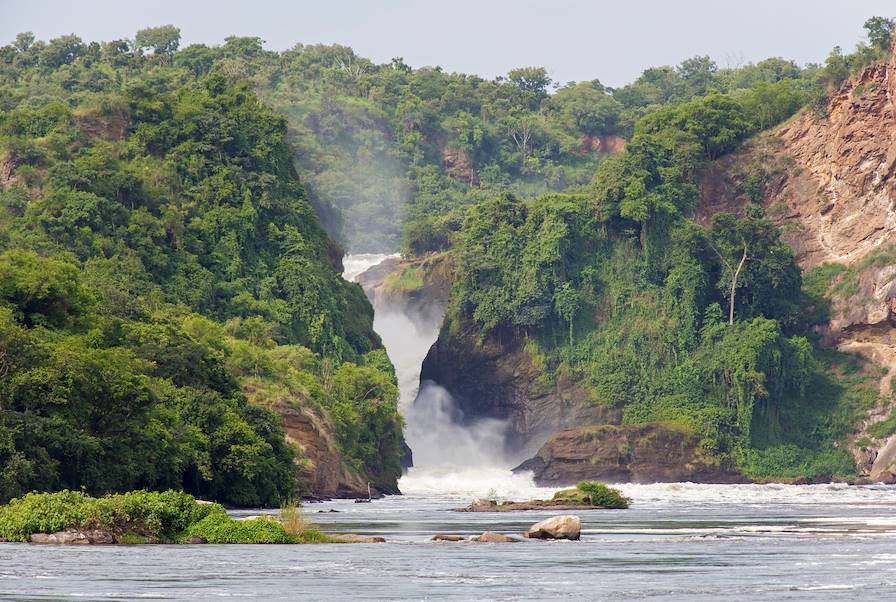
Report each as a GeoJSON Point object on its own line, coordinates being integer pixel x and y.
{"type": "Point", "coordinates": [443, 537]}
{"type": "Point", "coordinates": [352, 538]}
{"type": "Point", "coordinates": [566, 526]}
{"type": "Point", "coordinates": [196, 539]}
{"type": "Point", "coordinates": [492, 537]}
{"type": "Point", "coordinates": [74, 537]}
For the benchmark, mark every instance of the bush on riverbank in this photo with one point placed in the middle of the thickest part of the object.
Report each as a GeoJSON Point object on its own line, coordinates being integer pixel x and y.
{"type": "Point", "coordinates": [595, 494]}
{"type": "Point", "coordinates": [142, 517]}
{"type": "Point", "coordinates": [133, 516]}
{"type": "Point", "coordinates": [221, 528]}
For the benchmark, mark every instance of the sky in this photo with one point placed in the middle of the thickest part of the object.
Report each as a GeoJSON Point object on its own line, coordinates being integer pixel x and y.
{"type": "Point", "coordinates": [575, 40]}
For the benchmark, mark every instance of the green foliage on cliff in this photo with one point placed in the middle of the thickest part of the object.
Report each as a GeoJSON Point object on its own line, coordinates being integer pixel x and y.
{"type": "Point", "coordinates": [144, 205]}
{"type": "Point", "coordinates": [616, 285]}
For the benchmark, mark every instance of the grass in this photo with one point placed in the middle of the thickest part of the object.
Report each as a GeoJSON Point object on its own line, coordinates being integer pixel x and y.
{"type": "Point", "coordinates": [408, 280]}
{"type": "Point", "coordinates": [293, 519]}
{"type": "Point", "coordinates": [884, 428]}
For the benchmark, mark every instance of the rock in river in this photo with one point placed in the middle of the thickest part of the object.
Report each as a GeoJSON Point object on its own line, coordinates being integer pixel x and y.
{"type": "Point", "coordinates": [492, 537]}
{"type": "Point", "coordinates": [565, 526]}
{"type": "Point", "coordinates": [444, 537]}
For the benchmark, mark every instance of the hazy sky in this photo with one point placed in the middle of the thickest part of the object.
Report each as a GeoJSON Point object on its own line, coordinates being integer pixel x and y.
{"type": "Point", "coordinates": [576, 40]}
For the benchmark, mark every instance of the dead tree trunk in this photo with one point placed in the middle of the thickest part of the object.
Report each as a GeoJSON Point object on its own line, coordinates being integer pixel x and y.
{"type": "Point", "coordinates": [734, 286]}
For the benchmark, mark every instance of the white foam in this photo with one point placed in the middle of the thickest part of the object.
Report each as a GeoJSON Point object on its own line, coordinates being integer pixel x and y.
{"type": "Point", "coordinates": [354, 265]}
{"type": "Point", "coordinates": [471, 482]}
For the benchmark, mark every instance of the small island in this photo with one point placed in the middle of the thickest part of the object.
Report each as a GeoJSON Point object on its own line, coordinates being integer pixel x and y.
{"type": "Point", "coordinates": [586, 495]}
{"type": "Point", "coordinates": [142, 517]}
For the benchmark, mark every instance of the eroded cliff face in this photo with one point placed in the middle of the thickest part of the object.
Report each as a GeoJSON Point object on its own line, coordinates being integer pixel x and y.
{"type": "Point", "coordinates": [636, 453]}
{"type": "Point", "coordinates": [321, 471]}
{"type": "Point", "coordinates": [418, 288]}
{"type": "Point", "coordinates": [494, 376]}
{"type": "Point", "coordinates": [829, 181]}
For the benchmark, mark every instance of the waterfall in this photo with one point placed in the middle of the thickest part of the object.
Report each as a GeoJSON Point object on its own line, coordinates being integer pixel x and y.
{"type": "Point", "coordinates": [449, 458]}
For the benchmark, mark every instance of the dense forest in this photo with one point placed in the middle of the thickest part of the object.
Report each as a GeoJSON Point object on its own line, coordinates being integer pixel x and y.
{"type": "Point", "coordinates": [402, 151]}
{"type": "Point", "coordinates": [164, 252]}
{"type": "Point", "coordinates": [706, 329]}
{"type": "Point", "coordinates": [158, 255]}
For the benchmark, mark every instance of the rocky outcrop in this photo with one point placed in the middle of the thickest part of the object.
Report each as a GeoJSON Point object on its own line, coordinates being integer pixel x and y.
{"type": "Point", "coordinates": [494, 376]}
{"type": "Point", "coordinates": [321, 471]}
{"type": "Point", "coordinates": [73, 537]}
{"type": "Point", "coordinates": [606, 144]}
{"type": "Point", "coordinates": [566, 526]}
{"type": "Point", "coordinates": [511, 506]}
{"type": "Point", "coordinates": [458, 165]}
{"type": "Point", "coordinates": [829, 181]}
{"type": "Point", "coordinates": [418, 288]}
{"type": "Point", "coordinates": [638, 453]}
{"type": "Point", "coordinates": [446, 537]}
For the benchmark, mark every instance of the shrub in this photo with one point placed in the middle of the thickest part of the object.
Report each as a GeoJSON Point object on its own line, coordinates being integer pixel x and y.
{"type": "Point", "coordinates": [602, 495]}
{"type": "Point", "coordinates": [221, 528]}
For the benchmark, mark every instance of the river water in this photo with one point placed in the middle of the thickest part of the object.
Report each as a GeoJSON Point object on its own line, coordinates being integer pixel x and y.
{"type": "Point", "coordinates": [678, 541]}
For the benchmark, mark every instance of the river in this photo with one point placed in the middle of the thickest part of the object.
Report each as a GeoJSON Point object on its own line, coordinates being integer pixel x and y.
{"type": "Point", "coordinates": [678, 541]}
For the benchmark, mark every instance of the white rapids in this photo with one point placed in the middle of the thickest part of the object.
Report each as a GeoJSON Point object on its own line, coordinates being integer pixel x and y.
{"type": "Point", "coordinates": [448, 458]}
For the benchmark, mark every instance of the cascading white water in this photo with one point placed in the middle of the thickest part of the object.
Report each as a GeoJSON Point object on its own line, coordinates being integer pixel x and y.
{"type": "Point", "coordinates": [449, 458]}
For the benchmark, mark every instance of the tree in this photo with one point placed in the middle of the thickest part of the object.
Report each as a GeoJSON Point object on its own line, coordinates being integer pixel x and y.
{"type": "Point", "coordinates": [586, 109]}
{"type": "Point", "coordinates": [163, 41]}
{"type": "Point", "coordinates": [24, 40]}
{"type": "Point", "coordinates": [533, 80]}
{"type": "Point", "coordinates": [880, 32]}
{"type": "Point", "coordinates": [698, 74]}
{"type": "Point", "coordinates": [61, 51]}
{"type": "Point", "coordinates": [566, 304]}
{"type": "Point", "coordinates": [756, 264]}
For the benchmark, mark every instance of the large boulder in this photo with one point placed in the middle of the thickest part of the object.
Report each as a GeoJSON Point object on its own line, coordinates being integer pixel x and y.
{"type": "Point", "coordinates": [566, 526]}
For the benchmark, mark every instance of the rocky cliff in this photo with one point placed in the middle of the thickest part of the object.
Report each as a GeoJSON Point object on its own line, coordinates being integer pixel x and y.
{"type": "Point", "coordinates": [637, 453]}
{"type": "Point", "coordinates": [494, 376]}
{"type": "Point", "coordinates": [417, 287]}
{"type": "Point", "coordinates": [828, 178]}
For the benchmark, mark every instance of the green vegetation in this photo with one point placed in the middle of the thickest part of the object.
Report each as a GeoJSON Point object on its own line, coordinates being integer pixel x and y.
{"type": "Point", "coordinates": [408, 280]}
{"type": "Point", "coordinates": [703, 327]}
{"type": "Point", "coordinates": [594, 494]}
{"type": "Point", "coordinates": [134, 516]}
{"type": "Point", "coordinates": [387, 151]}
{"type": "Point", "coordinates": [221, 528]}
{"type": "Point", "coordinates": [165, 280]}
{"type": "Point", "coordinates": [158, 253]}
{"type": "Point", "coordinates": [142, 517]}
{"type": "Point", "coordinates": [884, 428]}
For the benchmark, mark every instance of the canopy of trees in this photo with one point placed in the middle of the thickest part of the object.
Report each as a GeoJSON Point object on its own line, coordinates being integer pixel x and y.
{"type": "Point", "coordinates": [156, 252]}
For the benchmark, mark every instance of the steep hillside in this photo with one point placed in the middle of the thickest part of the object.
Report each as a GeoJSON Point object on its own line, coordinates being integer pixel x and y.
{"type": "Point", "coordinates": [165, 284]}
{"type": "Point", "coordinates": [828, 179]}
{"type": "Point", "coordinates": [613, 307]}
